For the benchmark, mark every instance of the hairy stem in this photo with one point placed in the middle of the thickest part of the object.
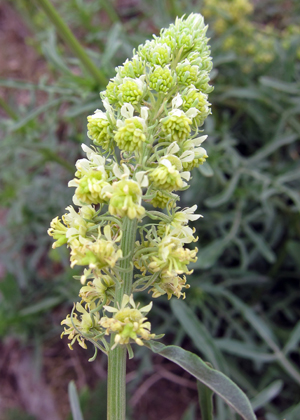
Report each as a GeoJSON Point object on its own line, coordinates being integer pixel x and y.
{"type": "Point", "coordinates": [71, 41]}
{"type": "Point", "coordinates": [116, 385]}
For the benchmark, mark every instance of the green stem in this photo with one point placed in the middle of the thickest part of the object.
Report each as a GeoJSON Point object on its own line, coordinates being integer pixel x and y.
{"type": "Point", "coordinates": [71, 41]}
{"type": "Point", "coordinates": [116, 380]}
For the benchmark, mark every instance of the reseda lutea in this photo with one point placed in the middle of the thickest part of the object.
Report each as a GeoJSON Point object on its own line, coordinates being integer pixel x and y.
{"type": "Point", "coordinates": [146, 142]}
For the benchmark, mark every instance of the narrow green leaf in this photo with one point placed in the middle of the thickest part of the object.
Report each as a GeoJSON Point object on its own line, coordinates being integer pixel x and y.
{"type": "Point", "coordinates": [215, 380]}
{"type": "Point", "coordinates": [291, 88]}
{"type": "Point", "coordinates": [238, 348]}
{"type": "Point", "coordinates": [293, 413]}
{"type": "Point", "coordinates": [74, 401]}
{"type": "Point", "coordinates": [82, 108]}
{"type": "Point", "coordinates": [293, 340]}
{"type": "Point", "coordinates": [242, 93]}
{"type": "Point", "coordinates": [198, 334]}
{"type": "Point", "coordinates": [257, 322]}
{"type": "Point", "coordinates": [206, 170]}
{"type": "Point", "coordinates": [209, 254]}
{"type": "Point", "coordinates": [205, 395]}
{"type": "Point", "coordinates": [260, 243]}
{"type": "Point", "coordinates": [267, 395]}
{"type": "Point", "coordinates": [33, 114]}
{"type": "Point", "coordinates": [225, 195]}
{"type": "Point", "coordinates": [43, 305]}
{"type": "Point", "coordinates": [271, 147]}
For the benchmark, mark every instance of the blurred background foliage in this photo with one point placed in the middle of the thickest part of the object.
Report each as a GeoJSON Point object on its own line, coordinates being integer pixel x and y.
{"type": "Point", "coordinates": [242, 311]}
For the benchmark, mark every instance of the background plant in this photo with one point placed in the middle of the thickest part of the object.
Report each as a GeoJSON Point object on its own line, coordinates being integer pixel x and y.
{"type": "Point", "coordinates": [255, 166]}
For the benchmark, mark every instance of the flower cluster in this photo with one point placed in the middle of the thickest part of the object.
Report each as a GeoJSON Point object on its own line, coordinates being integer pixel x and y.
{"type": "Point", "coordinates": [145, 143]}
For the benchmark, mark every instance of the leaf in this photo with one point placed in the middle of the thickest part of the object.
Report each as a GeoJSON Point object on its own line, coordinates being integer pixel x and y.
{"type": "Point", "coordinates": [82, 108]}
{"type": "Point", "coordinates": [266, 395]}
{"type": "Point", "coordinates": [210, 254]}
{"type": "Point", "coordinates": [242, 93]}
{"type": "Point", "coordinates": [290, 88]}
{"type": "Point", "coordinates": [260, 243]}
{"type": "Point", "coordinates": [225, 195]}
{"type": "Point", "coordinates": [215, 380]}
{"type": "Point", "coordinates": [254, 320]}
{"type": "Point", "coordinates": [271, 147]}
{"type": "Point", "coordinates": [293, 340]}
{"type": "Point", "coordinates": [292, 413]}
{"type": "Point", "coordinates": [33, 114]}
{"type": "Point", "coordinates": [205, 395]}
{"type": "Point", "coordinates": [198, 333]}
{"type": "Point", "coordinates": [238, 348]}
{"type": "Point", "coordinates": [74, 401]}
{"type": "Point", "coordinates": [206, 170]}
{"type": "Point", "coordinates": [113, 43]}
{"type": "Point", "coordinates": [41, 306]}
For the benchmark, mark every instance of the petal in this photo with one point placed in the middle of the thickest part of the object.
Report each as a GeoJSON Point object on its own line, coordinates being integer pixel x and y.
{"type": "Point", "coordinates": [192, 113]}
{"type": "Point", "coordinates": [199, 140]}
{"type": "Point", "coordinates": [144, 113]}
{"type": "Point", "coordinates": [146, 308]}
{"type": "Point", "coordinates": [177, 101]}
{"type": "Point", "coordinates": [127, 110]}
{"type": "Point", "coordinates": [166, 163]}
{"type": "Point", "coordinates": [117, 171]}
{"type": "Point", "coordinates": [142, 178]}
{"type": "Point", "coordinates": [73, 183]}
{"type": "Point", "coordinates": [107, 232]}
{"type": "Point", "coordinates": [173, 148]}
{"type": "Point", "coordinates": [187, 156]}
{"type": "Point", "coordinates": [110, 309]}
{"type": "Point", "coordinates": [185, 175]}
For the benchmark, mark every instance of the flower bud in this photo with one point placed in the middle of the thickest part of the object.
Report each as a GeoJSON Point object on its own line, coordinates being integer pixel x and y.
{"type": "Point", "coordinates": [161, 79]}
{"type": "Point", "coordinates": [130, 136]}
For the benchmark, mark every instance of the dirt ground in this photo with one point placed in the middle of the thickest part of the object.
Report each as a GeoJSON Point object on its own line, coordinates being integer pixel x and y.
{"type": "Point", "coordinates": [36, 381]}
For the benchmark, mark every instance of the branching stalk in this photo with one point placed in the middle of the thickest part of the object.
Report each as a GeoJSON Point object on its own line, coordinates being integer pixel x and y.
{"type": "Point", "coordinates": [71, 41]}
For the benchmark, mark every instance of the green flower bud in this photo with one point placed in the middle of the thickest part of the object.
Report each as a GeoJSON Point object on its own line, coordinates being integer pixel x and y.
{"type": "Point", "coordinates": [161, 199]}
{"type": "Point", "coordinates": [197, 155]}
{"type": "Point", "coordinates": [202, 82]}
{"type": "Point", "coordinates": [160, 55]}
{"type": "Point", "coordinates": [144, 49]}
{"type": "Point", "coordinates": [111, 92]}
{"type": "Point", "coordinates": [196, 99]}
{"type": "Point", "coordinates": [161, 79]}
{"type": "Point", "coordinates": [125, 199]}
{"type": "Point", "coordinates": [131, 91]}
{"type": "Point", "coordinates": [128, 323]}
{"type": "Point", "coordinates": [171, 258]}
{"type": "Point", "coordinates": [167, 176]}
{"type": "Point", "coordinates": [58, 231]}
{"type": "Point", "coordinates": [90, 186]}
{"type": "Point", "coordinates": [187, 74]}
{"type": "Point", "coordinates": [101, 288]}
{"type": "Point", "coordinates": [176, 125]}
{"type": "Point", "coordinates": [99, 130]}
{"type": "Point", "coordinates": [87, 325]}
{"type": "Point", "coordinates": [132, 68]}
{"type": "Point", "coordinates": [101, 253]}
{"type": "Point", "coordinates": [170, 41]}
{"type": "Point", "coordinates": [131, 135]}
{"type": "Point", "coordinates": [172, 286]}
{"type": "Point", "coordinates": [199, 159]}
